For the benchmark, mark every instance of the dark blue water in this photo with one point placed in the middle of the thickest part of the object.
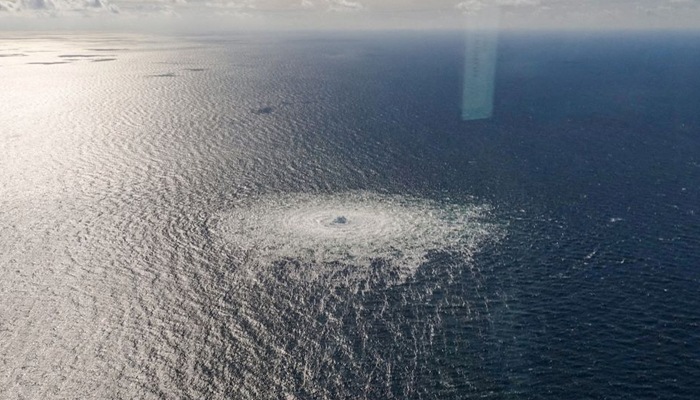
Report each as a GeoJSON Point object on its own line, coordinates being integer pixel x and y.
{"type": "Point", "coordinates": [593, 158]}
{"type": "Point", "coordinates": [117, 178]}
{"type": "Point", "coordinates": [597, 139]}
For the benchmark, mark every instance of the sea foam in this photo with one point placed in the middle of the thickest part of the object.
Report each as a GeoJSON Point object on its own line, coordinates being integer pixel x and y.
{"type": "Point", "coordinates": [323, 234]}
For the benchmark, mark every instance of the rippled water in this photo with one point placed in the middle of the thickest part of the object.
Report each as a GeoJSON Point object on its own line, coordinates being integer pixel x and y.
{"type": "Point", "coordinates": [339, 237]}
{"type": "Point", "coordinates": [262, 217]}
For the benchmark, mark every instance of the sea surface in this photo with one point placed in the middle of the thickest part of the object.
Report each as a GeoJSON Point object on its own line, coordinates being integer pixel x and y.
{"type": "Point", "coordinates": [307, 216]}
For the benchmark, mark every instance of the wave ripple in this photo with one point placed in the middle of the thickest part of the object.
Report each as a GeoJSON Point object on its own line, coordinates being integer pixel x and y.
{"type": "Point", "coordinates": [352, 229]}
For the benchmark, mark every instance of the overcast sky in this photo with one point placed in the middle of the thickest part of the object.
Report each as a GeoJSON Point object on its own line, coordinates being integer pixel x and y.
{"type": "Point", "coordinates": [202, 15]}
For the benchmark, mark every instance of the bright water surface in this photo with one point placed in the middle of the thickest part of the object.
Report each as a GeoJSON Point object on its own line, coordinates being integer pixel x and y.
{"type": "Point", "coordinates": [308, 217]}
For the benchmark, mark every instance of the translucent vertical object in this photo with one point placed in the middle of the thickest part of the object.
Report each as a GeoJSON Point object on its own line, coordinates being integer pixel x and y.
{"type": "Point", "coordinates": [480, 53]}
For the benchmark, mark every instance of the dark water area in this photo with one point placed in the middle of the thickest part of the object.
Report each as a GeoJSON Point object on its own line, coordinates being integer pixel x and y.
{"type": "Point", "coordinates": [120, 282]}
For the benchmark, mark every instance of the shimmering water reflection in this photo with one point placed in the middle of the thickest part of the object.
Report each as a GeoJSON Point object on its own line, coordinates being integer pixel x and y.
{"type": "Point", "coordinates": [266, 217]}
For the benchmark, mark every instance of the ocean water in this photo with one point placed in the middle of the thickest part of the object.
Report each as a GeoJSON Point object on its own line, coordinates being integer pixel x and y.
{"type": "Point", "coordinates": [306, 216]}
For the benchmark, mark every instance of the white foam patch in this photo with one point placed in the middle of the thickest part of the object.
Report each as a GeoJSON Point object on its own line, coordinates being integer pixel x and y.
{"type": "Point", "coordinates": [326, 233]}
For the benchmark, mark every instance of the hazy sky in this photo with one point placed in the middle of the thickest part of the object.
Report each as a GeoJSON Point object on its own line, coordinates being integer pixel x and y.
{"type": "Point", "coordinates": [201, 15]}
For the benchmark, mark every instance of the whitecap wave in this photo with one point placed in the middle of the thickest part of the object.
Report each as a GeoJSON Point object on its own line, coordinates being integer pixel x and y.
{"type": "Point", "coordinates": [344, 234]}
